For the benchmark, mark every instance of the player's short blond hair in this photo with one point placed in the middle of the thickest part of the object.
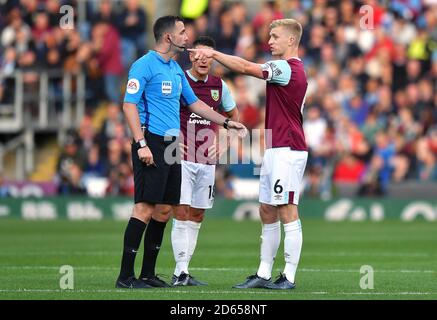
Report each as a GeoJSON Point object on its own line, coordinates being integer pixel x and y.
{"type": "Point", "coordinates": [291, 25]}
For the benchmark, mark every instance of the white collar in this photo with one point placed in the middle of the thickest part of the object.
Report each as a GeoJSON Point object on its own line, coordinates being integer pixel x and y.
{"type": "Point", "coordinates": [194, 78]}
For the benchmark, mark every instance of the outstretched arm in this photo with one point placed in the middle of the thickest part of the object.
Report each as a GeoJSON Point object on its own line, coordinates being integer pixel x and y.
{"type": "Point", "coordinates": [233, 63]}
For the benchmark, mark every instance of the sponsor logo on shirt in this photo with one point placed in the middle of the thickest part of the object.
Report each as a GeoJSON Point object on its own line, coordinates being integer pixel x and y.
{"type": "Point", "coordinates": [133, 85]}
{"type": "Point", "coordinates": [196, 119]}
{"type": "Point", "coordinates": [166, 88]}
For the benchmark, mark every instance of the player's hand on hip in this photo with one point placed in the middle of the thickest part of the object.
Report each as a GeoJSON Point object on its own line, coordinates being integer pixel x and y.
{"type": "Point", "coordinates": [146, 156]}
{"type": "Point", "coordinates": [241, 129]}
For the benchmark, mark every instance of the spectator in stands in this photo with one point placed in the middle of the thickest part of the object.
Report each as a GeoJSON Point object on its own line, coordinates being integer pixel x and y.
{"type": "Point", "coordinates": [29, 9]}
{"type": "Point", "coordinates": [107, 48]}
{"type": "Point", "coordinates": [41, 29]}
{"type": "Point", "coordinates": [71, 46]}
{"type": "Point", "coordinates": [315, 128]}
{"type": "Point", "coordinates": [132, 23]}
{"type": "Point", "coordinates": [371, 126]}
{"type": "Point", "coordinates": [427, 155]}
{"type": "Point", "coordinates": [113, 118]}
{"type": "Point", "coordinates": [357, 110]}
{"type": "Point", "coordinates": [239, 14]}
{"type": "Point", "coordinates": [383, 155]}
{"type": "Point", "coordinates": [7, 68]}
{"type": "Point", "coordinates": [105, 14]}
{"type": "Point", "coordinates": [223, 183]}
{"type": "Point", "coordinates": [213, 16]}
{"type": "Point", "coordinates": [96, 165]}
{"type": "Point", "coordinates": [73, 184]}
{"type": "Point", "coordinates": [86, 134]}
{"type": "Point", "coordinates": [4, 190]}
{"type": "Point", "coordinates": [226, 34]}
{"type": "Point", "coordinates": [119, 171]}
{"type": "Point", "coordinates": [71, 153]}
{"type": "Point", "coordinates": [371, 183]}
{"type": "Point", "coordinates": [249, 113]}
{"type": "Point", "coordinates": [313, 184]}
{"type": "Point", "coordinates": [52, 8]}
{"type": "Point", "coordinates": [70, 166]}
{"type": "Point", "coordinates": [348, 170]}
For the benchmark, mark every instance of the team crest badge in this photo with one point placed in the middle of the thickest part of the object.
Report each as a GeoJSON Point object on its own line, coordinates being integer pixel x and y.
{"type": "Point", "coordinates": [215, 95]}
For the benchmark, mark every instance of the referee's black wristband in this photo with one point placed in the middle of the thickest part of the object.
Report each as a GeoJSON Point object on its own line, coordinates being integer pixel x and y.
{"type": "Point", "coordinates": [225, 124]}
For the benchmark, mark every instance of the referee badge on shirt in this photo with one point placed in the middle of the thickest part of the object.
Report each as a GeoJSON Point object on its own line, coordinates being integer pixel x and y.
{"type": "Point", "coordinates": [133, 85]}
{"type": "Point", "coordinates": [166, 88]}
{"type": "Point", "coordinates": [215, 95]}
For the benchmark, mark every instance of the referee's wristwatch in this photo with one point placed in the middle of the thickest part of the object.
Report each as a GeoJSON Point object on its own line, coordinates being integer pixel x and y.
{"type": "Point", "coordinates": [142, 143]}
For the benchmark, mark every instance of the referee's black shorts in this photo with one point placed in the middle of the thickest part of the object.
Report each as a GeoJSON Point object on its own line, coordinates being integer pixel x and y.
{"type": "Point", "coordinates": [161, 184]}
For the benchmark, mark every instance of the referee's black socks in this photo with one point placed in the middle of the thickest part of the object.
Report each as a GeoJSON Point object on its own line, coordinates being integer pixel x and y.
{"type": "Point", "coordinates": [152, 244]}
{"type": "Point", "coordinates": [132, 239]}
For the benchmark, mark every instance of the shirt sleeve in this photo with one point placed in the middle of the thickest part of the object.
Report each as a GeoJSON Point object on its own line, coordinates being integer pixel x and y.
{"type": "Point", "coordinates": [187, 97]}
{"type": "Point", "coordinates": [277, 72]}
{"type": "Point", "coordinates": [228, 103]}
{"type": "Point", "coordinates": [136, 83]}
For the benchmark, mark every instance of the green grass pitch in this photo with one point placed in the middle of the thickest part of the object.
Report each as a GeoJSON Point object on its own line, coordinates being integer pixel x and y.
{"type": "Point", "coordinates": [403, 256]}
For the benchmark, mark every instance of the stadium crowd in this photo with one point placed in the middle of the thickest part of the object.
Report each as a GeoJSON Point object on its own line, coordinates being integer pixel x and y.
{"type": "Point", "coordinates": [370, 114]}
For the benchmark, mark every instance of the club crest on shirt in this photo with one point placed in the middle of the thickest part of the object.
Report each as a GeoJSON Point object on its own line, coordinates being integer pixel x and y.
{"type": "Point", "coordinates": [215, 95]}
{"type": "Point", "coordinates": [166, 88]}
{"type": "Point", "coordinates": [133, 85]}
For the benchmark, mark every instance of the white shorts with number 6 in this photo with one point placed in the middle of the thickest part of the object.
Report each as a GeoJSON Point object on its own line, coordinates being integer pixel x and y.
{"type": "Point", "coordinates": [197, 186]}
{"type": "Point", "coordinates": [281, 176]}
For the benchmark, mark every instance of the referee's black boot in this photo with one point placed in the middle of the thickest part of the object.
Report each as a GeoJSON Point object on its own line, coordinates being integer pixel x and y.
{"type": "Point", "coordinates": [131, 283]}
{"type": "Point", "coordinates": [155, 282]}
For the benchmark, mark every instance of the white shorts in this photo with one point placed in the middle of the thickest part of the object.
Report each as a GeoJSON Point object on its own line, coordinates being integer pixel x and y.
{"type": "Point", "coordinates": [197, 185]}
{"type": "Point", "coordinates": [281, 176]}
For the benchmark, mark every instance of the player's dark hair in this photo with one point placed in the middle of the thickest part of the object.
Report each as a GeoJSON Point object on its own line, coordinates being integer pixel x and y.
{"type": "Point", "coordinates": [164, 24]}
{"type": "Point", "coordinates": [204, 41]}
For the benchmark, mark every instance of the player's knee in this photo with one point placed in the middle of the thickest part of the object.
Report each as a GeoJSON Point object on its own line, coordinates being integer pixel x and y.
{"type": "Point", "coordinates": [182, 212]}
{"type": "Point", "coordinates": [162, 213]}
{"type": "Point", "coordinates": [268, 213]}
{"type": "Point", "coordinates": [197, 215]}
{"type": "Point", "coordinates": [288, 213]}
{"type": "Point", "coordinates": [143, 212]}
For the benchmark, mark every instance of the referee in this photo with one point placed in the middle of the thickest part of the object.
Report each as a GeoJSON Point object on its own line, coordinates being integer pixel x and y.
{"type": "Point", "coordinates": [155, 86]}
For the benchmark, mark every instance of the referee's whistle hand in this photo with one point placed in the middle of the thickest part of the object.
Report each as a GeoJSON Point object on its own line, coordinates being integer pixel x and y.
{"type": "Point", "coordinates": [145, 155]}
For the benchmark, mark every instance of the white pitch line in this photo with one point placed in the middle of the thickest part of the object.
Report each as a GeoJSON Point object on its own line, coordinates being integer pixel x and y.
{"type": "Point", "coordinates": [159, 291]}
{"type": "Point", "coordinates": [227, 254]}
{"type": "Point", "coordinates": [387, 293]}
{"type": "Point", "coordinates": [372, 254]}
{"type": "Point", "coordinates": [216, 269]}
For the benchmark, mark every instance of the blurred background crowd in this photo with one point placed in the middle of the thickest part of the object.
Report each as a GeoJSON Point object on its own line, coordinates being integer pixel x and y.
{"type": "Point", "coordinates": [370, 116]}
